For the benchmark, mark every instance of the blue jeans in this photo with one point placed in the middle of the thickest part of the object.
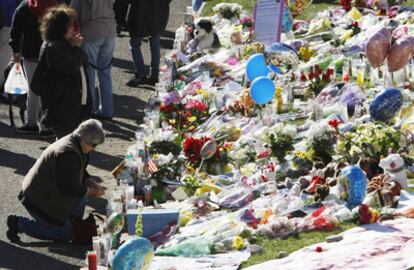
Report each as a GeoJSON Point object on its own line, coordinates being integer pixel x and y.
{"type": "Point", "coordinates": [155, 46]}
{"type": "Point", "coordinates": [41, 229]}
{"type": "Point", "coordinates": [100, 53]}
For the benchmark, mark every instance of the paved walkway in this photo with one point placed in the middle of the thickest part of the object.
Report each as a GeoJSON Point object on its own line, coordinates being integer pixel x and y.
{"type": "Point", "coordinates": [18, 154]}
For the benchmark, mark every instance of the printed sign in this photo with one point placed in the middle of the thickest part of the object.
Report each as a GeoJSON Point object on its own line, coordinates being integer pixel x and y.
{"type": "Point", "coordinates": [268, 15]}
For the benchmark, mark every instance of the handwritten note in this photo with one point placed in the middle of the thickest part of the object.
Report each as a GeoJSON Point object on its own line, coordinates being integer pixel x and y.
{"type": "Point", "coordinates": [268, 17]}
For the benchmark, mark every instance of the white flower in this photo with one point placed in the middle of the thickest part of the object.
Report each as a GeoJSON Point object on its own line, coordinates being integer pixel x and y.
{"type": "Point", "coordinates": [290, 130]}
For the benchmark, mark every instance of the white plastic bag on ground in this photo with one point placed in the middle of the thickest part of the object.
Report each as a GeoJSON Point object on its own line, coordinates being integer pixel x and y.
{"type": "Point", "coordinates": [16, 82]}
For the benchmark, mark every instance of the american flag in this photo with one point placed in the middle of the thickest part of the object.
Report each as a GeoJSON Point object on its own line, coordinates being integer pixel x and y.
{"type": "Point", "coordinates": [150, 166]}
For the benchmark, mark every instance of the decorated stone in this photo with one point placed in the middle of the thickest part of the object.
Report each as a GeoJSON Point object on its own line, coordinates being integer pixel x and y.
{"type": "Point", "coordinates": [134, 254]}
{"type": "Point", "coordinates": [385, 105]}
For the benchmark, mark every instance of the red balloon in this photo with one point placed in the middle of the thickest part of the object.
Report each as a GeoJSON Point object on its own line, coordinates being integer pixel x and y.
{"type": "Point", "coordinates": [377, 47]}
{"type": "Point", "coordinates": [399, 54]}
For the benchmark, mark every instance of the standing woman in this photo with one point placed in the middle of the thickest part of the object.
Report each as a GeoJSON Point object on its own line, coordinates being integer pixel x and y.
{"type": "Point", "coordinates": [63, 58]}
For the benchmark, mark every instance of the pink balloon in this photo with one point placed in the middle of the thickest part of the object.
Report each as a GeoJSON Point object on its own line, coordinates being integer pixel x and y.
{"type": "Point", "coordinates": [399, 54]}
{"type": "Point", "coordinates": [377, 47]}
{"type": "Point", "coordinates": [411, 39]}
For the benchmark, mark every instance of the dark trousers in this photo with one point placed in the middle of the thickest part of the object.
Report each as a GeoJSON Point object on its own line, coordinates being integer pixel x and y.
{"type": "Point", "coordinates": [121, 9]}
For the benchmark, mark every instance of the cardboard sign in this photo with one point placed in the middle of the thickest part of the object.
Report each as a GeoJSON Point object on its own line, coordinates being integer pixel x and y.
{"type": "Point", "coordinates": [268, 16]}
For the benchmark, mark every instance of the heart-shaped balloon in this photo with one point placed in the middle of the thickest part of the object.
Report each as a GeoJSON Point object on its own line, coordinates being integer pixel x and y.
{"type": "Point", "coordinates": [377, 47]}
{"type": "Point", "coordinates": [399, 54]}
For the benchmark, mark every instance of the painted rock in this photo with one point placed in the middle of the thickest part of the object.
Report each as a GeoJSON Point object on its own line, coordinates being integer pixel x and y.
{"type": "Point", "coordinates": [385, 105]}
{"type": "Point", "coordinates": [134, 254]}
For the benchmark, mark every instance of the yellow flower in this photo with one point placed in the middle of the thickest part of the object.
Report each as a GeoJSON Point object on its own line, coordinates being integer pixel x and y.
{"type": "Point", "coordinates": [192, 127]}
{"type": "Point", "coordinates": [192, 119]}
{"type": "Point", "coordinates": [172, 121]}
{"type": "Point", "coordinates": [306, 53]}
{"type": "Point", "coordinates": [238, 243]}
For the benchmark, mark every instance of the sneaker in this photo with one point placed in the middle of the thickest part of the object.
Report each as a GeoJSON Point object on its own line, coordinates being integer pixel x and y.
{"type": "Point", "coordinates": [12, 228]}
{"type": "Point", "coordinates": [46, 134]}
{"type": "Point", "coordinates": [26, 129]}
{"type": "Point", "coordinates": [137, 81]}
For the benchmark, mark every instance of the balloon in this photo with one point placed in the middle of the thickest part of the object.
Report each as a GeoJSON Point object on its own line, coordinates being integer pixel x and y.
{"type": "Point", "coordinates": [385, 105]}
{"type": "Point", "coordinates": [353, 185]}
{"type": "Point", "coordinates": [262, 90]}
{"type": "Point", "coordinates": [135, 253]}
{"type": "Point", "coordinates": [377, 47]}
{"type": "Point", "coordinates": [115, 223]}
{"type": "Point", "coordinates": [399, 55]}
{"type": "Point", "coordinates": [208, 150]}
{"type": "Point", "coordinates": [256, 67]}
{"type": "Point", "coordinates": [296, 7]}
{"type": "Point", "coordinates": [411, 39]}
{"type": "Point", "coordinates": [197, 4]}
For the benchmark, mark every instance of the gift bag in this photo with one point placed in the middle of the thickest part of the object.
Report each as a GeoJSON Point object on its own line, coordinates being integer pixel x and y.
{"type": "Point", "coordinates": [16, 82]}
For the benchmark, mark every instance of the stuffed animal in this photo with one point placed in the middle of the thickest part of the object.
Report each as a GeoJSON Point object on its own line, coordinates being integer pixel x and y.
{"type": "Point", "coordinates": [394, 166]}
{"type": "Point", "coordinates": [205, 37]}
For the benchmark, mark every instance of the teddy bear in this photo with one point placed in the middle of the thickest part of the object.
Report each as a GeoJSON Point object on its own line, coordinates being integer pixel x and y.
{"type": "Point", "coordinates": [205, 37]}
{"type": "Point", "coordinates": [394, 166]}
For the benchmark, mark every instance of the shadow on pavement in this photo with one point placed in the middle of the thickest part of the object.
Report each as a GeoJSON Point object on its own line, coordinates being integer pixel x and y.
{"type": "Point", "coordinates": [122, 63]}
{"type": "Point", "coordinates": [8, 132]}
{"type": "Point", "coordinates": [129, 106]}
{"type": "Point", "coordinates": [104, 161]}
{"type": "Point", "coordinates": [15, 257]}
{"type": "Point", "coordinates": [20, 162]}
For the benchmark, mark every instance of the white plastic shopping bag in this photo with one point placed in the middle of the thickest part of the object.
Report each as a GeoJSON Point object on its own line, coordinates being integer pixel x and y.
{"type": "Point", "coordinates": [16, 82]}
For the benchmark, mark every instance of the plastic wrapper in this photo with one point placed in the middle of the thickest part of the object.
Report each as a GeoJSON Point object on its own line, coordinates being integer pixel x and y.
{"type": "Point", "coordinates": [193, 247]}
{"type": "Point", "coordinates": [279, 227]}
{"type": "Point", "coordinates": [164, 235]}
{"type": "Point", "coordinates": [236, 199]}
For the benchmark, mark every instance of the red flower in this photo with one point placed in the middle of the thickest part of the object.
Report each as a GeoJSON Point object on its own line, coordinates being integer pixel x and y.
{"type": "Point", "coordinates": [318, 249]}
{"type": "Point", "coordinates": [335, 123]}
{"type": "Point", "coordinates": [364, 214]}
{"type": "Point", "coordinates": [195, 104]}
{"type": "Point", "coordinates": [302, 77]}
{"type": "Point", "coordinates": [326, 77]}
{"type": "Point", "coordinates": [263, 154]}
{"type": "Point", "coordinates": [355, 24]}
{"type": "Point", "coordinates": [318, 69]}
{"type": "Point", "coordinates": [330, 71]}
{"type": "Point", "coordinates": [192, 148]}
{"type": "Point", "coordinates": [166, 108]}
{"type": "Point", "coordinates": [311, 75]}
{"type": "Point", "coordinates": [317, 73]}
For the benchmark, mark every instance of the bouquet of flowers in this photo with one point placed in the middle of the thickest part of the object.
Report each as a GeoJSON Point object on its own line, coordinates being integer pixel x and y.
{"type": "Point", "coordinates": [321, 140]}
{"type": "Point", "coordinates": [346, 4]}
{"type": "Point", "coordinates": [247, 22]}
{"type": "Point", "coordinates": [228, 10]}
{"type": "Point", "coordinates": [282, 142]}
{"type": "Point", "coordinates": [317, 79]}
{"type": "Point", "coordinates": [369, 140]}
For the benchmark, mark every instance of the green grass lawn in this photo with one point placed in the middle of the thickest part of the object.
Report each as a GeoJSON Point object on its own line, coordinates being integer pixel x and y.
{"type": "Point", "coordinates": [272, 247]}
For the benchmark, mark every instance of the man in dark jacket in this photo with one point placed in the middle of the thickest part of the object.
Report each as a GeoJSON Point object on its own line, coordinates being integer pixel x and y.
{"type": "Point", "coordinates": [147, 19]}
{"type": "Point", "coordinates": [25, 41]}
{"type": "Point", "coordinates": [56, 188]}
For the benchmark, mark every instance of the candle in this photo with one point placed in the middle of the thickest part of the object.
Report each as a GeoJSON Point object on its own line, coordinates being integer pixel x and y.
{"type": "Point", "coordinates": [92, 262]}
{"type": "Point", "coordinates": [96, 244]}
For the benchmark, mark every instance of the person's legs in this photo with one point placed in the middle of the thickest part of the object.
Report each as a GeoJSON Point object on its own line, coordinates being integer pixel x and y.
{"type": "Point", "coordinates": [41, 229]}
{"type": "Point", "coordinates": [137, 57]}
{"type": "Point", "coordinates": [155, 45]}
{"type": "Point", "coordinates": [33, 100]}
{"type": "Point", "coordinates": [104, 64]}
{"type": "Point", "coordinates": [91, 49]}
{"type": "Point", "coordinates": [5, 51]}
